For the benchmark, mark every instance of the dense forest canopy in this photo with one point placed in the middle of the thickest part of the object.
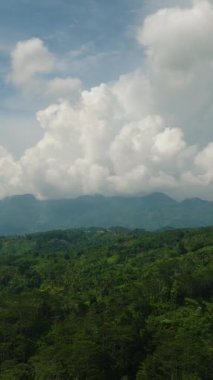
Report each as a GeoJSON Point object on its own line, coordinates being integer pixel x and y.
{"type": "Point", "coordinates": [107, 304]}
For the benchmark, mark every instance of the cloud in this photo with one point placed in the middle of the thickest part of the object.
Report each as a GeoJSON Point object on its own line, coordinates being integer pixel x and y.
{"type": "Point", "coordinates": [139, 134]}
{"type": "Point", "coordinates": [30, 58]}
{"type": "Point", "coordinates": [179, 62]}
{"type": "Point", "coordinates": [179, 39]}
{"type": "Point", "coordinates": [83, 153]}
{"type": "Point", "coordinates": [87, 149]}
{"type": "Point", "coordinates": [63, 87]}
{"type": "Point", "coordinates": [204, 161]}
{"type": "Point", "coordinates": [33, 69]}
{"type": "Point", "coordinates": [10, 171]}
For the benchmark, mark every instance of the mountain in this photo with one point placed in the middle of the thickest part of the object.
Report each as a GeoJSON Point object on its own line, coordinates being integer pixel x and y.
{"type": "Point", "coordinates": [25, 214]}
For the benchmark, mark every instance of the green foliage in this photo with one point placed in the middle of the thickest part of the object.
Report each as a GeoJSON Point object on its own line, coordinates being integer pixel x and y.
{"type": "Point", "coordinates": [107, 304]}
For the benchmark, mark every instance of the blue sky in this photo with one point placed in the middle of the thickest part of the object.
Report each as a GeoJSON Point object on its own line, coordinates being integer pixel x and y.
{"type": "Point", "coordinates": [103, 26]}
{"type": "Point", "coordinates": [97, 35]}
{"type": "Point", "coordinates": [106, 96]}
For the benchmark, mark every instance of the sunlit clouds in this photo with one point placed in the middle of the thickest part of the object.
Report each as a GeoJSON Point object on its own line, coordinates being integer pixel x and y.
{"type": "Point", "coordinates": [150, 130]}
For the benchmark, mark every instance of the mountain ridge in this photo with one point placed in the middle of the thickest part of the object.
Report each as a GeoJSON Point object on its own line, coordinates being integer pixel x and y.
{"type": "Point", "coordinates": [25, 213]}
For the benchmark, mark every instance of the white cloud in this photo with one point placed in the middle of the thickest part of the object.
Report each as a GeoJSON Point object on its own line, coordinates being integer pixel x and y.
{"type": "Point", "coordinates": [63, 87]}
{"type": "Point", "coordinates": [204, 161]}
{"type": "Point", "coordinates": [30, 58]}
{"type": "Point", "coordinates": [179, 39]}
{"type": "Point", "coordinates": [169, 143]}
{"type": "Point", "coordinates": [179, 62]}
{"type": "Point", "coordinates": [85, 149]}
{"type": "Point", "coordinates": [33, 70]}
{"type": "Point", "coordinates": [10, 173]}
{"type": "Point", "coordinates": [140, 133]}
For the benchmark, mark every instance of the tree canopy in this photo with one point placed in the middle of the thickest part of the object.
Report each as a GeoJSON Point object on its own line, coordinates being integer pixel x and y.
{"type": "Point", "coordinates": [107, 304]}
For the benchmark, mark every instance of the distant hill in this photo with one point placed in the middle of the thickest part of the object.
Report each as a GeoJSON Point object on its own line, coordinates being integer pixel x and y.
{"type": "Point", "coordinates": [25, 214]}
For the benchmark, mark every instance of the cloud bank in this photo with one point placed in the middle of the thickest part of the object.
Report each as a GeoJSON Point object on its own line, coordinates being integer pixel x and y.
{"type": "Point", "coordinates": [151, 130]}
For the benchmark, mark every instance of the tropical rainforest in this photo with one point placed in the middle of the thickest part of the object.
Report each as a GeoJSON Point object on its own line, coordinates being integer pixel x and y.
{"type": "Point", "coordinates": [107, 304]}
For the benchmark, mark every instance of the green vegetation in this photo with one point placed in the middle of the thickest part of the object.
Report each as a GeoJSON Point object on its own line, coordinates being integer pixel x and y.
{"type": "Point", "coordinates": [107, 304]}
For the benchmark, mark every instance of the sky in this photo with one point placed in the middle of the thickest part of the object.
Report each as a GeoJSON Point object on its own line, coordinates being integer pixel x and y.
{"type": "Point", "coordinates": [111, 97]}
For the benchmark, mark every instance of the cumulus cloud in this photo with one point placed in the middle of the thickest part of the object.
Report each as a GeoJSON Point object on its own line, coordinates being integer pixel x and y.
{"type": "Point", "coordinates": [179, 39]}
{"type": "Point", "coordinates": [32, 64]}
{"type": "Point", "coordinates": [63, 88]}
{"type": "Point", "coordinates": [139, 133]}
{"type": "Point", "coordinates": [29, 58]}
{"type": "Point", "coordinates": [10, 171]}
{"type": "Point", "coordinates": [85, 149]}
{"type": "Point", "coordinates": [179, 55]}
{"type": "Point", "coordinates": [83, 153]}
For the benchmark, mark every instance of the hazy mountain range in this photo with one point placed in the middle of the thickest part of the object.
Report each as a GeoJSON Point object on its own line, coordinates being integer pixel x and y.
{"type": "Point", "coordinates": [26, 214]}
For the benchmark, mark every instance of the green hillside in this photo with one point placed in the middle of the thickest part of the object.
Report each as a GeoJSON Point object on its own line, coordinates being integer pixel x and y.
{"type": "Point", "coordinates": [107, 304]}
{"type": "Point", "coordinates": [26, 214]}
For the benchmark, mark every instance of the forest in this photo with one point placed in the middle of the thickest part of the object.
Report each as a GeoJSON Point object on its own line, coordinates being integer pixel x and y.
{"type": "Point", "coordinates": [106, 304]}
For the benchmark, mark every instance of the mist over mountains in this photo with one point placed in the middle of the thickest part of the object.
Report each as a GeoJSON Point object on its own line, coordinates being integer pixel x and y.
{"type": "Point", "coordinates": [25, 214]}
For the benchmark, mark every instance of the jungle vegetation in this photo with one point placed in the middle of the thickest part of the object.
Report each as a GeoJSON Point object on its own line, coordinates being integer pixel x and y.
{"type": "Point", "coordinates": [107, 304]}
